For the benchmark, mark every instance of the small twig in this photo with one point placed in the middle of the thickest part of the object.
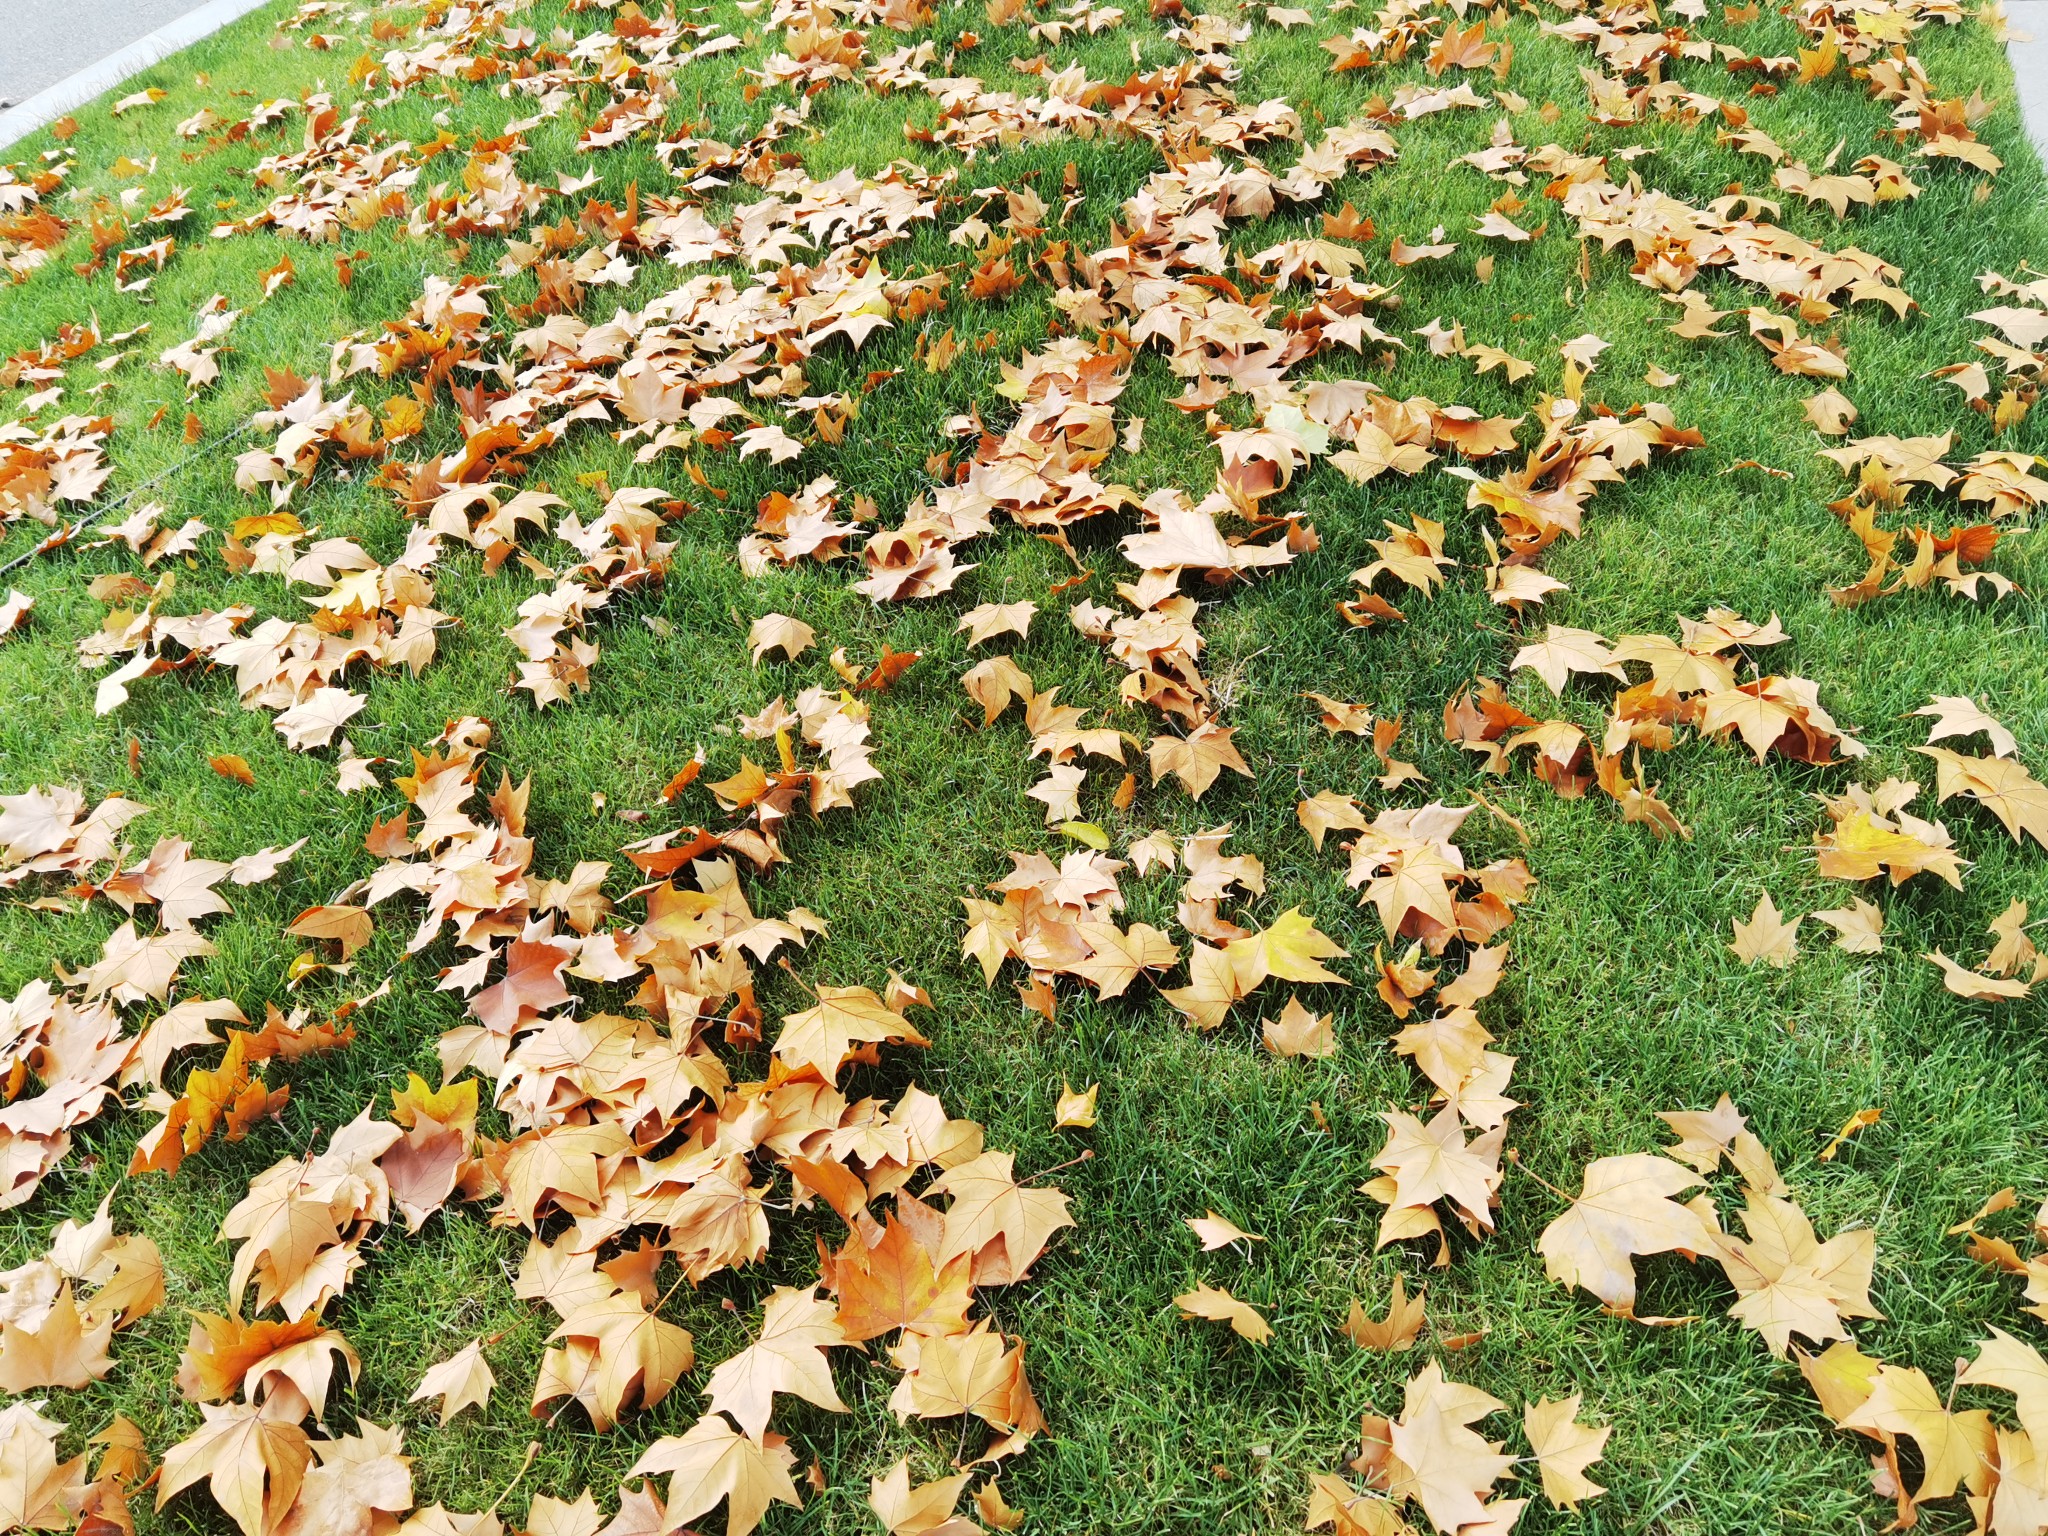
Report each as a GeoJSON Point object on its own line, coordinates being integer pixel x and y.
{"type": "Point", "coordinates": [790, 971]}
{"type": "Point", "coordinates": [1046, 1173]}
{"type": "Point", "coordinates": [663, 1301]}
{"type": "Point", "coordinates": [532, 1450]}
{"type": "Point", "coordinates": [1514, 1157]}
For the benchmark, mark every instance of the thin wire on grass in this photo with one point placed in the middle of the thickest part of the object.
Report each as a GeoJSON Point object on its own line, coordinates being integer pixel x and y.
{"type": "Point", "coordinates": [63, 537]}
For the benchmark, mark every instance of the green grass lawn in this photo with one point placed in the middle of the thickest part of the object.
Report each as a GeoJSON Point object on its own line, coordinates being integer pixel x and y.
{"type": "Point", "coordinates": [1622, 997]}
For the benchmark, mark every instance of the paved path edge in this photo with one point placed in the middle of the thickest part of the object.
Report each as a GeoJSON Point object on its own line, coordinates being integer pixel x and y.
{"type": "Point", "coordinates": [74, 91]}
{"type": "Point", "coordinates": [2027, 47]}
{"type": "Point", "coordinates": [46, 106]}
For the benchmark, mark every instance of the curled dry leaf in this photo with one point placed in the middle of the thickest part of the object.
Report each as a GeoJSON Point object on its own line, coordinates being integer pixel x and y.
{"type": "Point", "coordinates": [1218, 1231]}
{"type": "Point", "coordinates": [1075, 1110]}
{"type": "Point", "coordinates": [1217, 1305]}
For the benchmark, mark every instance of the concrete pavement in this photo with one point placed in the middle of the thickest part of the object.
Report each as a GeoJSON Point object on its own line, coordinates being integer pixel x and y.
{"type": "Point", "coordinates": [44, 44]}
{"type": "Point", "coordinates": [56, 55]}
{"type": "Point", "coordinates": [43, 41]}
{"type": "Point", "coordinates": [2030, 65]}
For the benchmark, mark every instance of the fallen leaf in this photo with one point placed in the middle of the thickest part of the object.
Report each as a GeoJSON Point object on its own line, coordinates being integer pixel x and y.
{"type": "Point", "coordinates": [779, 632]}
{"type": "Point", "coordinates": [1218, 1231]}
{"type": "Point", "coordinates": [1298, 1032]}
{"type": "Point", "coordinates": [1075, 1111]}
{"type": "Point", "coordinates": [1858, 928]}
{"type": "Point", "coordinates": [1624, 1209]}
{"type": "Point", "coordinates": [788, 1355]}
{"type": "Point", "coordinates": [712, 1461]}
{"type": "Point", "coordinates": [1564, 1449]}
{"type": "Point", "coordinates": [1217, 1305]}
{"type": "Point", "coordinates": [1766, 936]}
{"type": "Point", "coordinates": [1860, 1120]}
{"type": "Point", "coordinates": [1394, 1332]}
{"type": "Point", "coordinates": [463, 1380]}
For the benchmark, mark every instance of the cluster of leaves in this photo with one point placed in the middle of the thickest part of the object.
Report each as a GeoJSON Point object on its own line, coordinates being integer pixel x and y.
{"type": "Point", "coordinates": [634, 1151]}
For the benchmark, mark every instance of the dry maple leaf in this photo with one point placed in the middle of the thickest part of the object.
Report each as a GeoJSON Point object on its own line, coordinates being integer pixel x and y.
{"type": "Point", "coordinates": [1563, 651]}
{"type": "Point", "coordinates": [1859, 928]}
{"type": "Point", "coordinates": [1861, 1120]}
{"type": "Point", "coordinates": [788, 1355]}
{"type": "Point", "coordinates": [977, 1372]}
{"type": "Point", "coordinates": [2014, 950]}
{"type": "Point", "coordinates": [1341, 718]}
{"type": "Point", "coordinates": [1766, 936]}
{"type": "Point", "coordinates": [1436, 1458]}
{"type": "Point", "coordinates": [424, 1168]}
{"type": "Point", "coordinates": [779, 632]}
{"type": "Point", "coordinates": [1564, 1449]}
{"type": "Point", "coordinates": [361, 1486]}
{"type": "Point", "coordinates": [613, 1354]}
{"type": "Point", "coordinates": [1394, 1332]}
{"type": "Point", "coordinates": [1293, 949]}
{"type": "Point", "coordinates": [1956, 1448]}
{"type": "Point", "coordinates": [549, 1516]}
{"type": "Point", "coordinates": [439, 1520]}
{"type": "Point", "coordinates": [1298, 1032]}
{"type": "Point", "coordinates": [1197, 758]}
{"type": "Point", "coordinates": [2014, 1366]}
{"type": "Point", "coordinates": [1831, 412]}
{"type": "Point", "coordinates": [313, 722]}
{"type": "Point", "coordinates": [713, 1461]}
{"type": "Point", "coordinates": [126, 1457]}
{"type": "Point", "coordinates": [992, 619]}
{"type": "Point", "coordinates": [1219, 1306]}
{"type": "Point", "coordinates": [1335, 1503]}
{"type": "Point", "coordinates": [2020, 1500]}
{"type": "Point", "coordinates": [883, 675]}
{"type": "Point", "coordinates": [1218, 1231]}
{"type": "Point", "coordinates": [925, 1510]}
{"type": "Point", "coordinates": [2001, 784]}
{"type": "Point", "coordinates": [1625, 1208]}
{"type": "Point", "coordinates": [1781, 714]}
{"type": "Point", "coordinates": [1788, 1283]}
{"type": "Point", "coordinates": [65, 1349]}
{"type": "Point", "coordinates": [1060, 792]}
{"type": "Point", "coordinates": [15, 607]}
{"type": "Point", "coordinates": [37, 1492]}
{"type": "Point", "coordinates": [1873, 833]}
{"type": "Point", "coordinates": [822, 1036]}
{"type": "Point", "coordinates": [1000, 1222]}
{"type": "Point", "coordinates": [463, 1380]}
{"type": "Point", "coordinates": [253, 1465]}
{"type": "Point", "coordinates": [225, 1356]}
{"type": "Point", "coordinates": [1075, 1110]}
{"type": "Point", "coordinates": [1708, 1138]}
{"type": "Point", "coordinates": [1434, 1161]}
{"type": "Point", "coordinates": [994, 683]}
{"type": "Point", "coordinates": [1954, 716]}
{"type": "Point", "coordinates": [531, 986]}
{"type": "Point", "coordinates": [350, 927]}
{"type": "Point", "coordinates": [1705, 1135]}
{"type": "Point", "coordinates": [1978, 988]}
{"type": "Point", "coordinates": [895, 1284]}
{"type": "Point", "coordinates": [990, 1504]}
{"type": "Point", "coordinates": [286, 1222]}
{"type": "Point", "coordinates": [1861, 846]}
{"type": "Point", "coordinates": [1217, 977]}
